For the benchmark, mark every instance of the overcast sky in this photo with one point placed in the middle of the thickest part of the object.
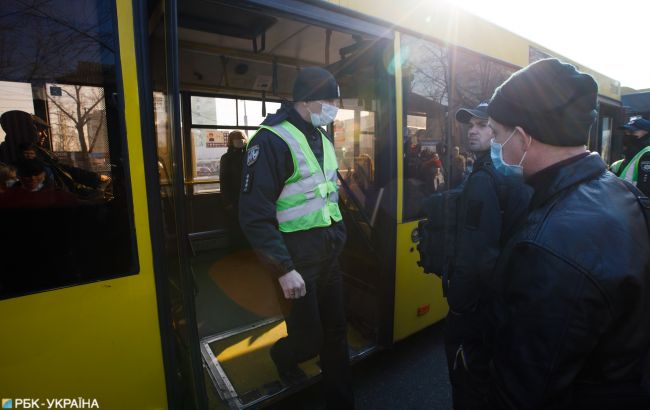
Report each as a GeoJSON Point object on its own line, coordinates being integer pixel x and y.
{"type": "Point", "coordinates": [611, 37]}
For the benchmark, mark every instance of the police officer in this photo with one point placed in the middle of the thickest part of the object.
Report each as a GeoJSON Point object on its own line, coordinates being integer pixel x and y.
{"type": "Point", "coordinates": [490, 206]}
{"type": "Point", "coordinates": [635, 168]}
{"type": "Point", "coordinates": [289, 212]}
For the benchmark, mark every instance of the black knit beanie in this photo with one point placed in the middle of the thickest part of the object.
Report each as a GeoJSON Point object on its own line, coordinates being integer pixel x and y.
{"type": "Point", "coordinates": [315, 83]}
{"type": "Point", "coordinates": [550, 100]}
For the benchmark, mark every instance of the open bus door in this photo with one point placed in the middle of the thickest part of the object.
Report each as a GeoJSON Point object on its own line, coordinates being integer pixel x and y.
{"type": "Point", "coordinates": [161, 113]}
{"type": "Point", "coordinates": [231, 76]}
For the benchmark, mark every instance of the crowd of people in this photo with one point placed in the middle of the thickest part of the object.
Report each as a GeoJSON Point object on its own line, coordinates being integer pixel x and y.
{"type": "Point", "coordinates": [549, 285]}
{"type": "Point", "coordinates": [32, 177]}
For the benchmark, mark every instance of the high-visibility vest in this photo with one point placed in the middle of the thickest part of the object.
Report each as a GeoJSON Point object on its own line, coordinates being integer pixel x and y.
{"type": "Point", "coordinates": [631, 171]}
{"type": "Point", "coordinates": [310, 196]}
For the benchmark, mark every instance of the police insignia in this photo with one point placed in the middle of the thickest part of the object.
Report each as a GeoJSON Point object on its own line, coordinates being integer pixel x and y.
{"type": "Point", "coordinates": [645, 166]}
{"type": "Point", "coordinates": [252, 154]}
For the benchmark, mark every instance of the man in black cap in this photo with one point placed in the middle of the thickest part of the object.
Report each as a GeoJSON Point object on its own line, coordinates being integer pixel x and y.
{"type": "Point", "coordinates": [490, 206]}
{"type": "Point", "coordinates": [572, 309]}
{"type": "Point", "coordinates": [289, 213]}
{"type": "Point", "coordinates": [635, 167]}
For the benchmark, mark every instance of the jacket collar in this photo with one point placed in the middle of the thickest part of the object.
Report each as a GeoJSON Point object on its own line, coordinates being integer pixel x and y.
{"type": "Point", "coordinates": [483, 159]}
{"type": "Point", "coordinates": [558, 177]}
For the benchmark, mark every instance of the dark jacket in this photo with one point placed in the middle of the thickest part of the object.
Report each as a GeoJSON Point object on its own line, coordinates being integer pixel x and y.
{"type": "Point", "coordinates": [230, 171]}
{"type": "Point", "coordinates": [262, 182]}
{"type": "Point", "coordinates": [490, 207]}
{"type": "Point", "coordinates": [573, 317]}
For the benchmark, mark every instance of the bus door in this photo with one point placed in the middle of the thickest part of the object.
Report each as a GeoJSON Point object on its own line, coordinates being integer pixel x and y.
{"type": "Point", "coordinates": [437, 80]}
{"type": "Point", "coordinates": [175, 284]}
{"type": "Point", "coordinates": [237, 64]}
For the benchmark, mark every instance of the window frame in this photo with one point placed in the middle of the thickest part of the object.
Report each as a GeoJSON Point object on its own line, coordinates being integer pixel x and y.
{"type": "Point", "coordinates": [118, 152]}
{"type": "Point", "coordinates": [188, 157]}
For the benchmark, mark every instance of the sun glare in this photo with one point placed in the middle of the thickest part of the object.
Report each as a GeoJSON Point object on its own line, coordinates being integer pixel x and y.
{"type": "Point", "coordinates": [591, 33]}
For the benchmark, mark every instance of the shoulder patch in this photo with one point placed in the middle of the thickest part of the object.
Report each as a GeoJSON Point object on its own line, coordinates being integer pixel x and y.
{"type": "Point", "coordinates": [252, 154]}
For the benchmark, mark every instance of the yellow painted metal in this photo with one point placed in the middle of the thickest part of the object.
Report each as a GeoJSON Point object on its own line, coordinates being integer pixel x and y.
{"type": "Point", "coordinates": [101, 340]}
{"type": "Point", "coordinates": [442, 20]}
{"type": "Point", "coordinates": [414, 288]}
{"type": "Point", "coordinates": [399, 116]}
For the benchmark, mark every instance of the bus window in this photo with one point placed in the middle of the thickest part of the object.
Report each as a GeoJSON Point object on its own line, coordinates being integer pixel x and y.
{"type": "Point", "coordinates": [66, 217]}
{"type": "Point", "coordinates": [425, 73]}
{"type": "Point", "coordinates": [354, 139]}
{"type": "Point", "coordinates": [213, 119]}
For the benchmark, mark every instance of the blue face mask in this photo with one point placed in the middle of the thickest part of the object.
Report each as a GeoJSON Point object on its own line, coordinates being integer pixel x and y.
{"type": "Point", "coordinates": [327, 115]}
{"type": "Point", "coordinates": [496, 153]}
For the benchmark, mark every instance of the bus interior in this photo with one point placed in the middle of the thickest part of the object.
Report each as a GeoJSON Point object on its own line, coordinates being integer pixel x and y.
{"type": "Point", "coordinates": [235, 67]}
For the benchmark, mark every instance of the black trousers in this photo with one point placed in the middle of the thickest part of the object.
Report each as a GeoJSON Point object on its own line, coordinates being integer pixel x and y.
{"type": "Point", "coordinates": [316, 325]}
{"type": "Point", "coordinates": [467, 360]}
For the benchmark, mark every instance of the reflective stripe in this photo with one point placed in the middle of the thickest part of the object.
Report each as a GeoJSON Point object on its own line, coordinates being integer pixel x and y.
{"type": "Point", "coordinates": [310, 196]}
{"type": "Point", "coordinates": [631, 171]}
{"type": "Point", "coordinates": [302, 185]}
{"type": "Point", "coordinates": [294, 145]}
{"type": "Point", "coordinates": [298, 211]}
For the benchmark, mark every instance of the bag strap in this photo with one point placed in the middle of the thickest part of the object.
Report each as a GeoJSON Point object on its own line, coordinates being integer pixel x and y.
{"type": "Point", "coordinates": [499, 185]}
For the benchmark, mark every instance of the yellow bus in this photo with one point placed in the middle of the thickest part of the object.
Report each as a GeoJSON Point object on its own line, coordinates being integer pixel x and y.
{"type": "Point", "coordinates": [128, 289]}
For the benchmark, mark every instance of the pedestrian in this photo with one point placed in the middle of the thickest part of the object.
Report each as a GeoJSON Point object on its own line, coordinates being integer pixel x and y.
{"type": "Point", "coordinates": [635, 167]}
{"type": "Point", "coordinates": [572, 304]}
{"type": "Point", "coordinates": [290, 214]}
{"type": "Point", "coordinates": [490, 206]}
{"type": "Point", "coordinates": [230, 173]}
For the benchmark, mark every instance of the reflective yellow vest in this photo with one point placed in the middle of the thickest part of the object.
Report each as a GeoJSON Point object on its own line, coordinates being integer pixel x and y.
{"type": "Point", "coordinates": [631, 171]}
{"type": "Point", "coordinates": [310, 196]}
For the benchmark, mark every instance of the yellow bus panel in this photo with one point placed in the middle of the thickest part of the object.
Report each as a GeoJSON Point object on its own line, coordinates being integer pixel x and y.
{"type": "Point", "coordinates": [98, 341]}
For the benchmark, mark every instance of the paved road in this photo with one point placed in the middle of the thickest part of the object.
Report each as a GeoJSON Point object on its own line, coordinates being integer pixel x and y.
{"type": "Point", "coordinates": [412, 375]}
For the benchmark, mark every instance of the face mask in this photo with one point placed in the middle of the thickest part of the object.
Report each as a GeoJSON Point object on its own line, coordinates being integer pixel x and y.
{"type": "Point", "coordinates": [327, 115]}
{"type": "Point", "coordinates": [38, 187]}
{"type": "Point", "coordinates": [10, 182]}
{"type": "Point", "coordinates": [496, 153]}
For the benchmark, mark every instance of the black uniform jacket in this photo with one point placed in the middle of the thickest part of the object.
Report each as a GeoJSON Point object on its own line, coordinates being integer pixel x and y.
{"type": "Point", "coordinates": [491, 205]}
{"type": "Point", "coordinates": [574, 291]}
{"type": "Point", "coordinates": [262, 182]}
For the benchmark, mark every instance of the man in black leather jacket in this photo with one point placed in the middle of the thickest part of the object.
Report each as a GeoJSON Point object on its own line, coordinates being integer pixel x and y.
{"type": "Point", "coordinates": [490, 206]}
{"type": "Point", "coordinates": [572, 321]}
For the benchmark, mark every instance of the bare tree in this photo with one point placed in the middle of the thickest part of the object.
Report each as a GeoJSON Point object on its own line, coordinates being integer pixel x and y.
{"type": "Point", "coordinates": [81, 106]}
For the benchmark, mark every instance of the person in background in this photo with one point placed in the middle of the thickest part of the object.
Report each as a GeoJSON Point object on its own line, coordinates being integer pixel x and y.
{"type": "Point", "coordinates": [230, 172]}
{"type": "Point", "coordinates": [457, 168]}
{"type": "Point", "coordinates": [572, 286]}
{"type": "Point", "coordinates": [32, 192]}
{"type": "Point", "coordinates": [635, 168]}
{"type": "Point", "coordinates": [8, 177]}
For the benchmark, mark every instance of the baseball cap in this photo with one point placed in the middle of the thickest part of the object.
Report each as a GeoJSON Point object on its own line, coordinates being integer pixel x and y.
{"type": "Point", "coordinates": [465, 114]}
{"type": "Point", "coordinates": [635, 125]}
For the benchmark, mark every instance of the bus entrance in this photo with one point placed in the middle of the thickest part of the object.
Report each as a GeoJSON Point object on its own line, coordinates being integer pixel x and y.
{"type": "Point", "coordinates": [236, 66]}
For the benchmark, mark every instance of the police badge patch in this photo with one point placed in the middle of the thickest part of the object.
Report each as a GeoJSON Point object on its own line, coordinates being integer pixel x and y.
{"type": "Point", "coordinates": [645, 166]}
{"type": "Point", "coordinates": [252, 154]}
